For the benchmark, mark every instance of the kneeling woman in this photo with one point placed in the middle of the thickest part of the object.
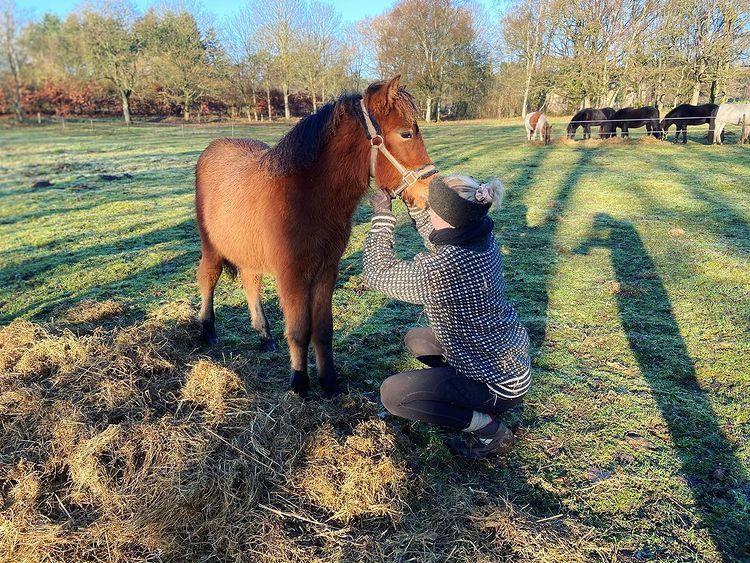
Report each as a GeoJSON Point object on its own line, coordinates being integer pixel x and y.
{"type": "Point", "coordinates": [475, 348]}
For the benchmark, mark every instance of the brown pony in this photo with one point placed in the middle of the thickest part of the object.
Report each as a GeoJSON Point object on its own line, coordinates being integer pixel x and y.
{"type": "Point", "coordinates": [287, 210]}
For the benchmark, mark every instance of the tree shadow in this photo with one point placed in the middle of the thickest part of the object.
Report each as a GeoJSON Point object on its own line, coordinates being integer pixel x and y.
{"type": "Point", "coordinates": [708, 461]}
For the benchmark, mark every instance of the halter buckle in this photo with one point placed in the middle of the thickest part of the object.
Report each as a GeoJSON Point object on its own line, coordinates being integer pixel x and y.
{"type": "Point", "coordinates": [376, 140]}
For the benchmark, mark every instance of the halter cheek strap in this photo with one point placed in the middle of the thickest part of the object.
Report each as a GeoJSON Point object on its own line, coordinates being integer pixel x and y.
{"type": "Point", "coordinates": [377, 144]}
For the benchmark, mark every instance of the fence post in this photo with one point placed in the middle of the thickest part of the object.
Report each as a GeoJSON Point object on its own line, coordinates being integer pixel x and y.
{"type": "Point", "coordinates": [91, 124]}
{"type": "Point", "coordinates": [233, 130]}
{"type": "Point", "coordinates": [743, 131]}
{"type": "Point", "coordinates": [39, 117]}
{"type": "Point", "coordinates": [63, 123]}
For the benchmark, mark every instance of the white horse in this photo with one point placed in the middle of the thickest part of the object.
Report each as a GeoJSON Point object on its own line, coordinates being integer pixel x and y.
{"type": "Point", "coordinates": [730, 114]}
{"type": "Point", "coordinates": [536, 124]}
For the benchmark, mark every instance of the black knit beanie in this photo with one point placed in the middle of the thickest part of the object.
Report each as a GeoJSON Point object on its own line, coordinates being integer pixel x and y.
{"type": "Point", "coordinates": [451, 207]}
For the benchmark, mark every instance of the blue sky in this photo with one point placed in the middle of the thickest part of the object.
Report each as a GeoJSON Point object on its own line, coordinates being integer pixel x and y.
{"type": "Point", "coordinates": [351, 10]}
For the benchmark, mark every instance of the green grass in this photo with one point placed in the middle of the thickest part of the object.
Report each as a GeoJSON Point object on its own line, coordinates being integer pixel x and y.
{"type": "Point", "coordinates": [628, 263]}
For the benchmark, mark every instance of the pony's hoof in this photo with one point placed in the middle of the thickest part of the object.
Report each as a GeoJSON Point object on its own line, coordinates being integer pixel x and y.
{"type": "Point", "coordinates": [300, 383]}
{"type": "Point", "coordinates": [267, 345]}
{"type": "Point", "coordinates": [210, 338]}
{"type": "Point", "coordinates": [331, 391]}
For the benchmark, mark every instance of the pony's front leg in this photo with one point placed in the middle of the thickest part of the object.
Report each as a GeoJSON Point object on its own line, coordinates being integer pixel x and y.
{"type": "Point", "coordinates": [625, 134]}
{"type": "Point", "coordinates": [322, 329]}
{"type": "Point", "coordinates": [294, 294]}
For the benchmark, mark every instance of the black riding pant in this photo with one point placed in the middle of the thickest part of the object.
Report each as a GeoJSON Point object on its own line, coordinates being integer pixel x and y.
{"type": "Point", "coordinates": [438, 395]}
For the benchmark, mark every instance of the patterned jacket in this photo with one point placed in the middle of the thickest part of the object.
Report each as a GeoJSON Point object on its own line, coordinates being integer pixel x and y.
{"type": "Point", "coordinates": [462, 291]}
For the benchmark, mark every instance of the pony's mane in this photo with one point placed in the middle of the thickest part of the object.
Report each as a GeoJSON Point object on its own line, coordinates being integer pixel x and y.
{"type": "Point", "coordinates": [303, 144]}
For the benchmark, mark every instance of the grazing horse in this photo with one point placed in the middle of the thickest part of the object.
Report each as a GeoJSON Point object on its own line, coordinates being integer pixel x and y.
{"type": "Point", "coordinates": [536, 123]}
{"type": "Point", "coordinates": [287, 211]}
{"type": "Point", "coordinates": [586, 118]}
{"type": "Point", "coordinates": [731, 114]}
{"type": "Point", "coordinates": [632, 118]}
{"type": "Point", "coordinates": [687, 114]}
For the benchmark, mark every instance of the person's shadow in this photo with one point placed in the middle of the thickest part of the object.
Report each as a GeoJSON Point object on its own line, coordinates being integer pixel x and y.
{"type": "Point", "coordinates": [708, 461]}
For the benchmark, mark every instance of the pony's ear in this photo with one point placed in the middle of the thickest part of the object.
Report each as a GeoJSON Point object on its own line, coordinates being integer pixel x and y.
{"type": "Point", "coordinates": [391, 90]}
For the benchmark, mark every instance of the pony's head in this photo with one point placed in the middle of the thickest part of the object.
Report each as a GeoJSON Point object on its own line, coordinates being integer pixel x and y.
{"type": "Point", "coordinates": [393, 108]}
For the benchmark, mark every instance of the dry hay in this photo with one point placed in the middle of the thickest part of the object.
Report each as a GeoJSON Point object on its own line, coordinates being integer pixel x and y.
{"type": "Point", "coordinates": [210, 385]}
{"type": "Point", "coordinates": [90, 311]}
{"type": "Point", "coordinates": [124, 444]}
{"type": "Point", "coordinates": [649, 140]}
{"type": "Point", "coordinates": [356, 476]}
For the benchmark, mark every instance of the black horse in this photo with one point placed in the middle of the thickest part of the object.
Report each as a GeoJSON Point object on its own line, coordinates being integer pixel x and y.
{"type": "Point", "coordinates": [687, 114]}
{"type": "Point", "coordinates": [586, 118]}
{"type": "Point", "coordinates": [632, 118]}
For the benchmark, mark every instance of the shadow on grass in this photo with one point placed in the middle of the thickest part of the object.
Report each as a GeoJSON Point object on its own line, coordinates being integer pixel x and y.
{"type": "Point", "coordinates": [34, 271]}
{"type": "Point", "coordinates": [715, 475]}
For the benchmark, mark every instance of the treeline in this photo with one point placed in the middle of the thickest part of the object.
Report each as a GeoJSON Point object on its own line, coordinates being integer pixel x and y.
{"type": "Point", "coordinates": [283, 58]}
{"type": "Point", "coordinates": [623, 53]}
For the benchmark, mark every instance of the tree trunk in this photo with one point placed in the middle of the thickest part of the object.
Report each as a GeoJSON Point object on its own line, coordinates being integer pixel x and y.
{"type": "Point", "coordinates": [125, 95]}
{"type": "Point", "coordinates": [268, 99]}
{"type": "Point", "coordinates": [428, 109]}
{"type": "Point", "coordinates": [287, 114]}
{"type": "Point", "coordinates": [437, 111]}
{"type": "Point", "coordinates": [696, 92]}
{"type": "Point", "coordinates": [186, 108]}
{"type": "Point", "coordinates": [697, 83]}
{"type": "Point", "coordinates": [255, 107]}
{"type": "Point", "coordinates": [16, 73]}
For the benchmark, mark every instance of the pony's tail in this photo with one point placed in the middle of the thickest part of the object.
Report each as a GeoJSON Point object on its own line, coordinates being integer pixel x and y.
{"type": "Point", "coordinates": [230, 269]}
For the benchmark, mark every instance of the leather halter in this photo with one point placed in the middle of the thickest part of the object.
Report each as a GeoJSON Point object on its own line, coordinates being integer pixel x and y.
{"type": "Point", "coordinates": [377, 144]}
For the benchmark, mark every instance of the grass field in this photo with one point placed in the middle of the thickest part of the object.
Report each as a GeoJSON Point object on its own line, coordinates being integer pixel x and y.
{"type": "Point", "coordinates": [628, 262]}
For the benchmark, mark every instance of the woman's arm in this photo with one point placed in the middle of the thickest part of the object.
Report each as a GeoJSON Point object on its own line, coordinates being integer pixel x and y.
{"type": "Point", "coordinates": [420, 218]}
{"type": "Point", "coordinates": [407, 281]}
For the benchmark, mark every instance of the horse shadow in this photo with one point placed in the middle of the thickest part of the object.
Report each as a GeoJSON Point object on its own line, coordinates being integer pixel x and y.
{"type": "Point", "coordinates": [708, 460]}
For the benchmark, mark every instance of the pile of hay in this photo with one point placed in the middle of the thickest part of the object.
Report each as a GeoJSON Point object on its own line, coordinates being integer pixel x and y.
{"type": "Point", "coordinates": [124, 444]}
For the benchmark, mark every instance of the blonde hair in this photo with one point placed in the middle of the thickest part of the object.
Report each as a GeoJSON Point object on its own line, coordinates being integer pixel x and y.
{"type": "Point", "coordinates": [473, 190]}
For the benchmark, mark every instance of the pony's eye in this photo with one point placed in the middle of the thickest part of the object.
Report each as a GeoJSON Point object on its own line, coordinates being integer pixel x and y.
{"type": "Point", "coordinates": [406, 135]}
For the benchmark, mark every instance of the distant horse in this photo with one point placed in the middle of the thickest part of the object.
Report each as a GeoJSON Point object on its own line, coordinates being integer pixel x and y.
{"type": "Point", "coordinates": [730, 114]}
{"type": "Point", "coordinates": [536, 123]}
{"type": "Point", "coordinates": [632, 118]}
{"type": "Point", "coordinates": [586, 118]}
{"type": "Point", "coordinates": [687, 114]}
{"type": "Point", "coordinates": [287, 211]}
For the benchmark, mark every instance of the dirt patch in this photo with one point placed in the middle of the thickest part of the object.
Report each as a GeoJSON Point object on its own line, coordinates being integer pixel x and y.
{"type": "Point", "coordinates": [115, 177]}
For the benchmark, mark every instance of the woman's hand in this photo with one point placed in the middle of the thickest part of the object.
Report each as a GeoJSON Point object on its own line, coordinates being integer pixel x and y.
{"type": "Point", "coordinates": [381, 203]}
{"type": "Point", "coordinates": [382, 214]}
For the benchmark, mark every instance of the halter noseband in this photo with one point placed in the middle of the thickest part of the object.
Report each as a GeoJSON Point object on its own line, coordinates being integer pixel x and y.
{"type": "Point", "coordinates": [377, 144]}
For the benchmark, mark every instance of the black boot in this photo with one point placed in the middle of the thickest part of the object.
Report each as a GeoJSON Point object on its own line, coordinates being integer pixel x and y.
{"type": "Point", "coordinates": [479, 444]}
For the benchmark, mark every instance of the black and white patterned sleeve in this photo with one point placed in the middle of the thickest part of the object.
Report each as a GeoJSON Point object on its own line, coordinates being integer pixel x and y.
{"type": "Point", "coordinates": [404, 280]}
{"type": "Point", "coordinates": [420, 218]}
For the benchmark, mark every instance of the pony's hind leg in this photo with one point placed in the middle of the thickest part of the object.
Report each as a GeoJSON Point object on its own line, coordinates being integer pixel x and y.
{"type": "Point", "coordinates": [209, 271]}
{"type": "Point", "coordinates": [252, 283]}
{"type": "Point", "coordinates": [322, 329]}
{"type": "Point", "coordinates": [294, 294]}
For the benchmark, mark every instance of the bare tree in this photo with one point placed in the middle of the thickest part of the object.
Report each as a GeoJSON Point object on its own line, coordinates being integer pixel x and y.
{"type": "Point", "coordinates": [10, 32]}
{"type": "Point", "coordinates": [277, 24]}
{"type": "Point", "coordinates": [317, 47]}
{"type": "Point", "coordinates": [418, 39]}
{"type": "Point", "coordinates": [114, 50]}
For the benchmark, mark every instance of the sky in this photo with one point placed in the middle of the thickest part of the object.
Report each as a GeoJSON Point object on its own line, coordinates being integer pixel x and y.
{"type": "Point", "coordinates": [351, 10]}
